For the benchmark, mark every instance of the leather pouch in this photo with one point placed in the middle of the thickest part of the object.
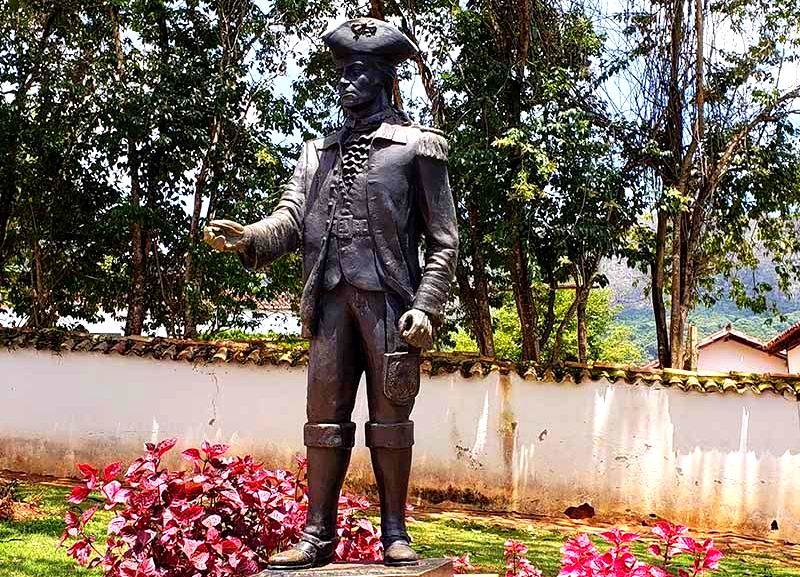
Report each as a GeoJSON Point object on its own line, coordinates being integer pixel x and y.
{"type": "Point", "coordinates": [401, 378]}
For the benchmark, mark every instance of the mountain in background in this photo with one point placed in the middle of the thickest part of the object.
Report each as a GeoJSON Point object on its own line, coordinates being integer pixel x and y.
{"type": "Point", "coordinates": [629, 295]}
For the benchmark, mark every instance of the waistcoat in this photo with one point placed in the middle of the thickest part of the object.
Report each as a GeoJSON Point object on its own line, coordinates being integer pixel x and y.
{"type": "Point", "coordinates": [351, 253]}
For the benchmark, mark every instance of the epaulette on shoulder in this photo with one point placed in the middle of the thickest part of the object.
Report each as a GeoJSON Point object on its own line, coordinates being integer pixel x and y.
{"type": "Point", "coordinates": [432, 143]}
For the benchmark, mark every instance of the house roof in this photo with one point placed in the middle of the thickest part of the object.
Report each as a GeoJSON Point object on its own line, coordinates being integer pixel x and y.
{"type": "Point", "coordinates": [728, 333]}
{"type": "Point", "coordinates": [788, 339]}
{"type": "Point", "coordinates": [264, 352]}
{"type": "Point", "coordinates": [280, 303]}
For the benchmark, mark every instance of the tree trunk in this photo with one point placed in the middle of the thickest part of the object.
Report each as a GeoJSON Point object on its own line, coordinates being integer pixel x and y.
{"type": "Point", "coordinates": [134, 322]}
{"type": "Point", "coordinates": [556, 352]}
{"type": "Point", "coordinates": [549, 320]}
{"type": "Point", "coordinates": [674, 137]}
{"type": "Point", "coordinates": [521, 286]}
{"type": "Point", "coordinates": [676, 301]}
{"type": "Point", "coordinates": [8, 191]}
{"type": "Point", "coordinates": [192, 276]}
{"type": "Point", "coordinates": [477, 310]}
{"type": "Point", "coordinates": [657, 291]}
{"type": "Point", "coordinates": [481, 285]}
{"type": "Point", "coordinates": [46, 316]}
{"type": "Point", "coordinates": [484, 316]}
{"type": "Point", "coordinates": [581, 319]}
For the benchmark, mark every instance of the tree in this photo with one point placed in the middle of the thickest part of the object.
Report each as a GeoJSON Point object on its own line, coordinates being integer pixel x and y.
{"type": "Point", "coordinates": [54, 189]}
{"type": "Point", "coordinates": [606, 339]}
{"type": "Point", "coordinates": [193, 101]}
{"type": "Point", "coordinates": [706, 129]}
{"type": "Point", "coordinates": [548, 183]}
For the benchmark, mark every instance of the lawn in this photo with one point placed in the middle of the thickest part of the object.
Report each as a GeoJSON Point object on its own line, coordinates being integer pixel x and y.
{"type": "Point", "coordinates": [27, 548]}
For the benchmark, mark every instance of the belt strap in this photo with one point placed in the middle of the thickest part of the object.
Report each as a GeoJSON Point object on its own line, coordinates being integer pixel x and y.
{"type": "Point", "coordinates": [345, 226]}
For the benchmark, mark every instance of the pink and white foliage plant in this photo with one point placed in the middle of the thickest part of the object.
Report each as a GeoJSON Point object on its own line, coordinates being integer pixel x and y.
{"type": "Point", "coordinates": [580, 558]}
{"type": "Point", "coordinates": [517, 564]}
{"type": "Point", "coordinates": [461, 564]}
{"type": "Point", "coordinates": [224, 516]}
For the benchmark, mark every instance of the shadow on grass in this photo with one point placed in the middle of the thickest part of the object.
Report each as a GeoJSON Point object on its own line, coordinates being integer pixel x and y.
{"type": "Point", "coordinates": [50, 526]}
{"type": "Point", "coordinates": [27, 567]}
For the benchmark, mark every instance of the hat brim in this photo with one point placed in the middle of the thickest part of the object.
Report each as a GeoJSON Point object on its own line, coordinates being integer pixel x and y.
{"type": "Point", "coordinates": [371, 39]}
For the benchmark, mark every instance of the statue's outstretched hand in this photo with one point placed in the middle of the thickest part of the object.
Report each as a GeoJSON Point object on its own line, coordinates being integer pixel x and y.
{"type": "Point", "coordinates": [416, 329]}
{"type": "Point", "coordinates": [224, 235]}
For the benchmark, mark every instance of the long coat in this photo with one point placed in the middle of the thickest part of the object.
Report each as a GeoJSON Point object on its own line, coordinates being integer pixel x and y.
{"type": "Point", "coordinates": [408, 196]}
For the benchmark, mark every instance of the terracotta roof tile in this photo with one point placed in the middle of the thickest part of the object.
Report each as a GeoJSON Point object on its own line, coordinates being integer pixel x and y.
{"type": "Point", "coordinates": [730, 333]}
{"type": "Point", "coordinates": [261, 353]}
{"type": "Point", "coordinates": [280, 303]}
{"type": "Point", "coordinates": [788, 339]}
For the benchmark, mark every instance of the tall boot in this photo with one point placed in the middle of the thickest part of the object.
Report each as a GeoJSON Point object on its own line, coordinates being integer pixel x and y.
{"type": "Point", "coordinates": [328, 448]}
{"type": "Point", "coordinates": [390, 448]}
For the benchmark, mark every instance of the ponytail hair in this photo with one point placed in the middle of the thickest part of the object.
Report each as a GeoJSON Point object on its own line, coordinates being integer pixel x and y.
{"type": "Point", "coordinates": [389, 72]}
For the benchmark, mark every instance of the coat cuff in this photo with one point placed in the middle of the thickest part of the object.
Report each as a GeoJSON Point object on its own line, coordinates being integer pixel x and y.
{"type": "Point", "coordinates": [247, 255]}
{"type": "Point", "coordinates": [429, 304]}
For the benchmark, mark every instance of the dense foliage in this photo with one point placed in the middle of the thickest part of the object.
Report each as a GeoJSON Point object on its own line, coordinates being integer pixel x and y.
{"type": "Point", "coordinates": [609, 340]}
{"type": "Point", "coordinates": [577, 133]}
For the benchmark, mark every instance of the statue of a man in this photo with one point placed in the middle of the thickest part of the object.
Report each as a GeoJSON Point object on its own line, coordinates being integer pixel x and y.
{"type": "Point", "coordinates": [358, 202]}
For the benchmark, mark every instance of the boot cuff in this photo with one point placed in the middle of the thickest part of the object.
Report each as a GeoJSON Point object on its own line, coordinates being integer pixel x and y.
{"type": "Point", "coordinates": [332, 435]}
{"type": "Point", "coordinates": [390, 436]}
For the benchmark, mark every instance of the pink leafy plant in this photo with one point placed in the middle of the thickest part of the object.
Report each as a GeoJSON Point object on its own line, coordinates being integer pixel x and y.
{"type": "Point", "coordinates": [461, 564]}
{"type": "Point", "coordinates": [517, 564]}
{"type": "Point", "coordinates": [580, 558]}
{"type": "Point", "coordinates": [223, 516]}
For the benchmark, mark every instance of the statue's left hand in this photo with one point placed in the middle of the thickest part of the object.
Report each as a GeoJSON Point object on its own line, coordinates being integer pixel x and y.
{"type": "Point", "coordinates": [416, 329]}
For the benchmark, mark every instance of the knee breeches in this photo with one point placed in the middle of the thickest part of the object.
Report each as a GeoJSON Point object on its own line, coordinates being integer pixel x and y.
{"type": "Point", "coordinates": [357, 334]}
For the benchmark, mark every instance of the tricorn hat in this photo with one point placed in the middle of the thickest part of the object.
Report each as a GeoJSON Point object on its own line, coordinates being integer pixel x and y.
{"type": "Point", "coordinates": [369, 37]}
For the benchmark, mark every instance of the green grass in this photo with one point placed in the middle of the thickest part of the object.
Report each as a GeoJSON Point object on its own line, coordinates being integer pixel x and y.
{"type": "Point", "coordinates": [484, 542]}
{"type": "Point", "coordinates": [27, 549]}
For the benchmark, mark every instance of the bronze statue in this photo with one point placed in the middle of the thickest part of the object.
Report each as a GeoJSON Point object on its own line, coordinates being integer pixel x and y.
{"type": "Point", "coordinates": [358, 202]}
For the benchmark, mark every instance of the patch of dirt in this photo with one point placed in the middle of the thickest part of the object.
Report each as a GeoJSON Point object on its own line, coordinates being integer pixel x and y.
{"type": "Point", "coordinates": [13, 508]}
{"type": "Point", "coordinates": [26, 511]}
{"type": "Point", "coordinates": [6, 475]}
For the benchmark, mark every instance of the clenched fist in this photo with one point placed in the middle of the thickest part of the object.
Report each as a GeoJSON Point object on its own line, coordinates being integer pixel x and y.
{"type": "Point", "coordinates": [224, 235]}
{"type": "Point", "coordinates": [416, 329]}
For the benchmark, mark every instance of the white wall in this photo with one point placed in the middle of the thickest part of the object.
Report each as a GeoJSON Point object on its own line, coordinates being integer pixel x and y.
{"type": "Point", "coordinates": [793, 358]}
{"type": "Point", "coordinates": [721, 461]}
{"type": "Point", "coordinates": [730, 355]}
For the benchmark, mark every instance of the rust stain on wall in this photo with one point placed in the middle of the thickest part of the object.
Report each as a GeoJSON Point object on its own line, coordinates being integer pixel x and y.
{"type": "Point", "coordinates": [508, 436]}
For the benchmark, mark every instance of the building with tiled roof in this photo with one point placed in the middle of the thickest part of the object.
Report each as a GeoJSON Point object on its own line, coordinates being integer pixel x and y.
{"type": "Point", "coordinates": [788, 344]}
{"type": "Point", "coordinates": [729, 349]}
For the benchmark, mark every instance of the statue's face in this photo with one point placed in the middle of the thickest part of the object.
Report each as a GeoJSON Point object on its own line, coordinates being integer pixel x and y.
{"type": "Point", "coordinates": [361, 83]}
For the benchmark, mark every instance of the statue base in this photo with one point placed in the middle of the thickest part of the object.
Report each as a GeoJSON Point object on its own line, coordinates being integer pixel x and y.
{"type": "Point", "coordinates": [425, 568]}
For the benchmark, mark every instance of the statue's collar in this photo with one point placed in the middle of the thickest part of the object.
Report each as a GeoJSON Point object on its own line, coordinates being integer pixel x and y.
{"type": "Point", "coordinates": [372, 121]}
{"type": "Point", "coordinates": [388, 123]}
